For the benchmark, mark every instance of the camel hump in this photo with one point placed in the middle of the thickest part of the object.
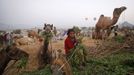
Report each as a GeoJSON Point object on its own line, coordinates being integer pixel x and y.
{"type": "Point", "coordinates": [100, 20]}
{"type": "Point", "coordinates": [103, 22]}
{"type": "Point", "coordinates": [107, 20]}
{"type": "Point", "coordinates": [101, 15]}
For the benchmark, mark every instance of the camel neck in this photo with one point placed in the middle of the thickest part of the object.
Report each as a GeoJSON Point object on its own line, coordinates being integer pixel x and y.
{"type": "Point", "coordinates": [114, 20]}
{"type": "Point", "coordinates": [4, 63]}
{"type": "Point", "coordinates": [47, 40]}
{"type": "Point", "coordinates": [46, 44]}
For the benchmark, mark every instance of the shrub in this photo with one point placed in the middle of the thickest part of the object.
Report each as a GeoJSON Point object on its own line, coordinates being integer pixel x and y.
{"type": "Point", "coordinates": [119, 39]}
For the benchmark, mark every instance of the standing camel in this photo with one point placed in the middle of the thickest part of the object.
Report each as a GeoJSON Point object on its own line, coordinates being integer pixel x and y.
{"type": "Point", "coordinates": [44, 53]}
{"type": "Point", "coordinates": [59, 64]}
{"type": "Point", "coordinates": [105, 23]}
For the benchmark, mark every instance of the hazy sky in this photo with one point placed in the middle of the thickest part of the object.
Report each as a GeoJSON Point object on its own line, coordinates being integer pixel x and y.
{"type": "Point", "coordinates": [61, 13]}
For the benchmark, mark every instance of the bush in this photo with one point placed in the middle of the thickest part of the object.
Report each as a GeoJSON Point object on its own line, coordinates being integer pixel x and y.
{"type": "Point", "coordinates": [45, 71]}
{"type": "Point", "coordinates": [115, 64]}
{"type": "Point", "coordinates": [119, 39]}
{"type": "Point", "coordinates": [22, 62]}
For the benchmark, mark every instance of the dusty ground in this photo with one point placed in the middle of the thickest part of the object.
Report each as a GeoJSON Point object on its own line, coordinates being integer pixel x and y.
{"type": "Point", "coordinates": [33, 50]}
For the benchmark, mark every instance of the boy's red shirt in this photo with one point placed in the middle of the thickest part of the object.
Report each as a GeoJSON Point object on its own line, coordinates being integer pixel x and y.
{"type": "Point", "coordinates": [69, 44]}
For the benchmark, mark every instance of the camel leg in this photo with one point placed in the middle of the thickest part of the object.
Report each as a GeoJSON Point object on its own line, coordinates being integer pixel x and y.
{"type": "Point", "coordinates": [109, 32]}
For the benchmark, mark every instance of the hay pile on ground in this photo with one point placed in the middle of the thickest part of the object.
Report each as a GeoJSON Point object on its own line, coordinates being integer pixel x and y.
{"type": "Point", "coordinates": [104, 48]}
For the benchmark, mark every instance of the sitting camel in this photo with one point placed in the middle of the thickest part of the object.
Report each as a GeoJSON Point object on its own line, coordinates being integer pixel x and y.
{"type": "Point", "coordinates": [33, 34]}
{"type": "Point", "coordinates": [105, 23]}
{"type": "Point", "coordinates": [8, 54]}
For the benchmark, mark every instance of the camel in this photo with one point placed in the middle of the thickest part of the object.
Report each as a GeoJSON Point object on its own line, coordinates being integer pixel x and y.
{"type": "Point", "coordinates": [24, 41]}
{"type": "Point", "coordinates": [105, 23]}
{"type": "Point", "coordinates": [33, 34]}
{"type": "Point", "coordinates": [49, 56]}
{"type": "Point", "coordinates": [44, 54]}
{"type": "Point", "coordinates": [8, 54]}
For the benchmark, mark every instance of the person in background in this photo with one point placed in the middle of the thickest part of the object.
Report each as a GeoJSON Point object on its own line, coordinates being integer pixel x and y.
{"type": "Point", "coordinates": [8, 39]}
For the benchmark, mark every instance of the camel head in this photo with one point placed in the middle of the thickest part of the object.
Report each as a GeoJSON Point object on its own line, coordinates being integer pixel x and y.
{"type": "Point", "coordinates": [48, 27]}
{"type": "Point", "coordinates": [15, 53]}
{"type": "Point", "coordinates": [118, 11]}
